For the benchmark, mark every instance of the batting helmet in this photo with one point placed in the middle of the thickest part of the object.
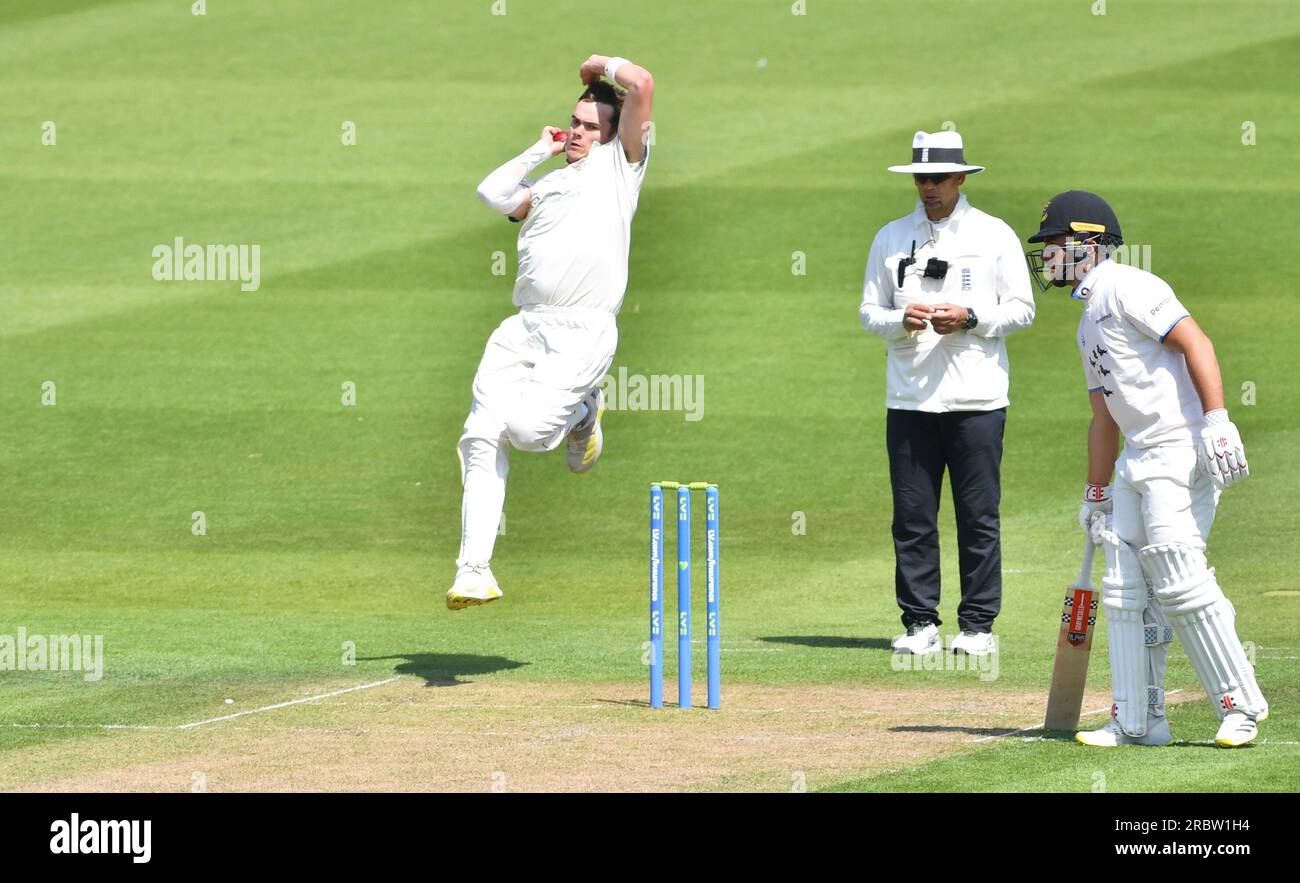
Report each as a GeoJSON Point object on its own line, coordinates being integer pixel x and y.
{"type": "Point", "coordinates": [1088, 225]}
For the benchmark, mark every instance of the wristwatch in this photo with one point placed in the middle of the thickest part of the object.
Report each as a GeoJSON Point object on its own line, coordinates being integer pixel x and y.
{"type": "Point", "coordinates": [971, 319]}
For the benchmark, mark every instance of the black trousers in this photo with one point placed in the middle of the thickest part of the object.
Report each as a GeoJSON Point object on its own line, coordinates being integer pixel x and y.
{"type": "Point", "coordinates": [969, 445]}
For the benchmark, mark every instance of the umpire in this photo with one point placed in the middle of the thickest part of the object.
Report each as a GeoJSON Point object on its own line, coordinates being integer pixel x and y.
{"type": "Point", "coordinates": [944, 285]}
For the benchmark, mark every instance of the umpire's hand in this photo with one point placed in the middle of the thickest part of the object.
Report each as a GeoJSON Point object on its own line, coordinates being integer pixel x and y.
{"type": "Point", "coordinates": [947, 318]}
{"type": "Point", "coordinates": [915, 316]}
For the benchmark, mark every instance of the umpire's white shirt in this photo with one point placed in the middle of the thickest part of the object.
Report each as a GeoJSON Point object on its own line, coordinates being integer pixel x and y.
{"type": "Point", "coordinates": [964, 370]}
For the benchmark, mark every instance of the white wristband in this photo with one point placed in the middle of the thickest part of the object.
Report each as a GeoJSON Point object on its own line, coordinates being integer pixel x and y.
{"type": "Point", "coordinates": [1096, 493]}
{"type": "Point", "coordinates": [1217, 416]}
{"type": "Point", "coordinates": [612, 66]}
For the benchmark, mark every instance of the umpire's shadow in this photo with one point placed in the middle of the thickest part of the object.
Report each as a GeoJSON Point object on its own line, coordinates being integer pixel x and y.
{"type": "Point", "coordinates": [447, 669]}
{"type": "Point", "coordinates": [831, 641]}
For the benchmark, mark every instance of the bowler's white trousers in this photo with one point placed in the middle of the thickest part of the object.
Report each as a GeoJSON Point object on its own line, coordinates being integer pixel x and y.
{"type": "Point", "coordinates": [537, 367]}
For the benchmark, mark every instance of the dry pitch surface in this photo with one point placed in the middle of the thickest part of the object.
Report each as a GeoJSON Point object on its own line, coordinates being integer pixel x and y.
{"type": "Point", "coordinates": [401, 735]}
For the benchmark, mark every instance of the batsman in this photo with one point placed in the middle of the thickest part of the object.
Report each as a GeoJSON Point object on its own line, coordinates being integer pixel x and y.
{"type": "Point", "coordinates": [538, 383]}
{"type": "Point", "coordinates": [1153, 378]}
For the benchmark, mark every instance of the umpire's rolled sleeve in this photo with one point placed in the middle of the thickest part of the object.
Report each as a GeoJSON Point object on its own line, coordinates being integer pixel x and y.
{"type": "Point", "coordinates": [878, 313]}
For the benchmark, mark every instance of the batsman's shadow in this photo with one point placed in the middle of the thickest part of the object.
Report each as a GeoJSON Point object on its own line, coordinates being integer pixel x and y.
{"type": "Point", "coordinates": [446, 669]}
{"type": "Point", "coordinates": [831, 641]}
{"type": "Point", "coordinates": [992, 732]}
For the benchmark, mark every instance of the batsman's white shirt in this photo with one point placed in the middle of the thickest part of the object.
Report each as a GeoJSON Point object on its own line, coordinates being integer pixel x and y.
{"type": "Point", "coordinates": [964, 370]}
{"type": "Point", "coordinates": [1128, 313]}
{"type": "Point", "coordinates": [573, 246]}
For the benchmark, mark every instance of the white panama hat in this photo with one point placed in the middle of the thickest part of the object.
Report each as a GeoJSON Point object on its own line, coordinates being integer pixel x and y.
{"type": "Point", "coordinates": [934, 153]}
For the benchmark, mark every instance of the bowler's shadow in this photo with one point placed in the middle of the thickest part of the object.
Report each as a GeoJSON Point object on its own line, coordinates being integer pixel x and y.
{"type": "Point", "coordinates": [832, 641]}
{"type": "Point", "coordinates": [447, 669]}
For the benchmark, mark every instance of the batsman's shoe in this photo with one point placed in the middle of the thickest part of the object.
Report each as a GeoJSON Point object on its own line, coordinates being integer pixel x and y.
{"type": "Point", "coordinates": [921, 638]}
{"type": "Point", "coordinates": [474, 585]}
{"type": "Point", "coordinates": [974, 643]}
{"type": "Point", "coordinates": [1111, 735]}
{"type": "Point", "coordinates": [585, 439]}
{"type": "Point", "coordinates": [1237, 729]}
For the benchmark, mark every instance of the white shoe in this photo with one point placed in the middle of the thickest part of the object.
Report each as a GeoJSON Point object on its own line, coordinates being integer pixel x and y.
{"type": "Point", "coordinates": [1237, 729]}
{"type": "Point", "coordinates": [1111, 735]}
{"type": "Point", "coordinates": [974, 643]}
{"type": "Point", "coordinates": [585, 440]}
{"type": "Point", "coordinates": [474, 585]}
{"type": "Point", "coordinates": [920, 639]}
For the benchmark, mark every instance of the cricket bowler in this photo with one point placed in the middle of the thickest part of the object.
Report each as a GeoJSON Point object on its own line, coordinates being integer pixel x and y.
{"type": "Point", "coordinates": [537, 384]}
{"type": "Point", "coordinates": [1153, 378]}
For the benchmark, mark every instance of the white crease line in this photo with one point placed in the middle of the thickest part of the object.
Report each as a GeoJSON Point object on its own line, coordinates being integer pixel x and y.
{"type": "Point", "coordinates": [1042, 724]}
{"type": "Point", "coordinates": [262, 728]}
{"type": "Point", "coordinates": [227, 717]}
{"type": "Point", "coordinates": [1257, 742]}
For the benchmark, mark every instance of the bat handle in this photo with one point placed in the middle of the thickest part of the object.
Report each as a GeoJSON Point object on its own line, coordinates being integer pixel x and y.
{"type": "Point", "coordinates": [1085, 569]}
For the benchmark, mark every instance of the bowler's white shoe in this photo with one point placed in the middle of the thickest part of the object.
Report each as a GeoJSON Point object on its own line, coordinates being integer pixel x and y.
{"type": "Point", "coordinates": [974, 643]}
{"type": "Point", "coordinates": [1111, 735]}
{"type": "Point", "coordinates": [585, 440]}
{"type": "Point", "coordinates": [921, 638]}
{"type": "Point", "coordinates": [1237, 729]}
{"type": "Point", "coordinates": [474, 585]}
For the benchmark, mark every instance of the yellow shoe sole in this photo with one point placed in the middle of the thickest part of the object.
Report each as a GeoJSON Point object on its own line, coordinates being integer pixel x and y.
{"type": "Point", "coordinates": [457, 601]}
{"type": "Point", "coordinates": [1078, 737]}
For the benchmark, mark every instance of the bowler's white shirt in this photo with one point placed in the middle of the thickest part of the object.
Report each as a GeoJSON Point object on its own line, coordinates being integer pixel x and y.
{"type": "Point", "coordinates": [1127, 314]}
{"type": "Point", "coordinates": [573, 246]}
{"type": "Point", "coordinates": [964, 370]}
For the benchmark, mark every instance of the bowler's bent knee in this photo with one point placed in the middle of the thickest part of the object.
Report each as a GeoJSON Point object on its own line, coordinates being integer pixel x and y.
{"type": "Point", "coordinates": [533, 432]}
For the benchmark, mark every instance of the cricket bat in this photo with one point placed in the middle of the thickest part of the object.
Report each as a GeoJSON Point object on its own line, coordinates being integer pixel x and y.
{"type": "Point", "coordinates": [1073, 647]}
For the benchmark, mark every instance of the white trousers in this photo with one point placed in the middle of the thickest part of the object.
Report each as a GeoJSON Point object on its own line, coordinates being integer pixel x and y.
{"type": "Point", "coordinates": [1162, 495]}
{"type": "Point", "coordinates": [1164, 504]}
{"type": "Point", "coordinates": [536, 369]}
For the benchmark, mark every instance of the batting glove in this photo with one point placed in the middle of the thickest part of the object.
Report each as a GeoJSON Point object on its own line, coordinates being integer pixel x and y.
{"type": "Point", "coordinates": [1225, 458]}
{"type": "Point", "coordinates": [1096, 498]}
{"type": "Point", "coordinates": [1102, 529]}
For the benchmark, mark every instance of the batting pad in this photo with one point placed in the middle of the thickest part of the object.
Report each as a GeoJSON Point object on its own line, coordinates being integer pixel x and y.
{"type": "Point", "coordinates": [1137, 663]}
{"type": "Point", "coordinates": [1157, 634]}
{"type": "Point", "coordinates": [1205, 622]}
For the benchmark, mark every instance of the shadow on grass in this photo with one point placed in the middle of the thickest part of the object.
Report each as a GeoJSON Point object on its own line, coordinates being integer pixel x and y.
{"type": "Point", "coordinates": [446, 669]}
{"type": "Point", "coordinates": [832, 641]}
{"type": "Point", "coordinates": [1035, 733]}
{"type": "Point", "coordinates": [630, 703]}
